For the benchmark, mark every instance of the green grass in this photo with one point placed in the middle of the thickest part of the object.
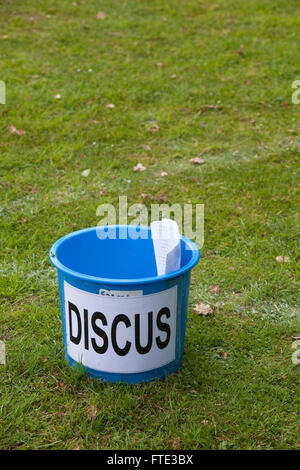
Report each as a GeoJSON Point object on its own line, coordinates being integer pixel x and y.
{"type": "Point", "coordinates": [241, 56]}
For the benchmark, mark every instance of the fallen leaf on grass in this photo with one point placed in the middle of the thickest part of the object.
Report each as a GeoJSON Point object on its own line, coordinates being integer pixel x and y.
{"type": "Point", "coordinates": [101, 15]}
{"type": "Point", "coordinates": [197, 161]}
{"type": "Point", "coordinates": [215, 289]}
{"type": "Point", "coordinates": [283, 259]}
{"type": "Point", "coordinates": [92, 412]}
{"type": "Point", "coordinates": [139, 167]}
{"type": "Point", "coordinates": [22, 221]}
{"type": "Point", "coordinates": [210, 106]}
{"type": "Point", "coordinates": [86, 172]}
{"type": "Point", "coordinates": [203, 309]}
{"type": "Point", "coordinates": [153, 128]}
{"type": "Point", "coordinates": [162, 197]}
{"type": "Point", "coordinates": [14, 130]}
{"type": "Point", "coordinates": [177, 443]}
{"type": "Point", "coordinates": [146, 196]}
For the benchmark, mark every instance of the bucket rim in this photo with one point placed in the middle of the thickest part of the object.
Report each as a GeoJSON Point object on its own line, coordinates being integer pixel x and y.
{"type": "Point", "coordinates": [113, 281]}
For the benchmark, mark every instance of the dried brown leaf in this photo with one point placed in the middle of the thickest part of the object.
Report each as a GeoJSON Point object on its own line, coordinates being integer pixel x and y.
{"type": "Point", "coordinates": [177, 443]}
{"type": "Point", "coordinates": [92, 412]}
{"type": "Point", "coordinates": [14, 130]}
{"type": "Point", "coordinates": [139, 167]}
{"type": "Point", "coordinates": [146, 196]}
{"type": "Point", "coordinates": [283, 259]}
{"type": "Point", "coordinates": [215, 289]}
{"type": "Point", "coordinates": [162, 197]}
{"type": "Point", "coordinates": [205, 107]}
{"type": "Point", "coordinates": [101, 15]}
{"type": "Point", "coordinates": [203, 309]}
{"type": "Point", "coordinates": [153, 128]}
{"type": "Point", "coordinates": [197, 161]}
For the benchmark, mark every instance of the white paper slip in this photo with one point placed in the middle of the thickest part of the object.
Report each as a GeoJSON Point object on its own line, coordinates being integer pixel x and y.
{"type": "Point", "coordinates": [120, 293]}
{"type": "Point", "coordinates": [166, 241]}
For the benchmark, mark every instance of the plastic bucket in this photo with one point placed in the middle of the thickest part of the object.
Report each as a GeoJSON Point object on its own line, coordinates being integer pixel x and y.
{"type": "Point", "coordinates": [121, 320]}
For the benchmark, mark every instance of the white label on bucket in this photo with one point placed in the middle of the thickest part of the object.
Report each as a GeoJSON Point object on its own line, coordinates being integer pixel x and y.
{"type": "Point", "coordinates": [120, 293]}
{"type": "Point", "coordinates": [121, 335]}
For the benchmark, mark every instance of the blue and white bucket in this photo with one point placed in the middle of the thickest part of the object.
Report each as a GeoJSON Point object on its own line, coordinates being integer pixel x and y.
{"type": "Point", "coordinates": [120, 320]}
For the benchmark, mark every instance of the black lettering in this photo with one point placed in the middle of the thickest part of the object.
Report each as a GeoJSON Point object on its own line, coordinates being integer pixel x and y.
{"type": "Point", "coordinates": [86, 329]}
{"type": "Point", "coordinates": [74, 339]}
{"type": "Point", "coordinates": [143, 349]}
{"type": "Point", "coordinates": [99, 316]}
{"type": "Point", "coordinates": [118, 319]}
{"type": "Point", "coordinates": [163, 327]}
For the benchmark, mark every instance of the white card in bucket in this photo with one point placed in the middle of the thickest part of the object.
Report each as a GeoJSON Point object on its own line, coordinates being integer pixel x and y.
{"type": "Point", "coordinates": [166, 242]}
{"type": "Point", "coordinates": [120, 335]}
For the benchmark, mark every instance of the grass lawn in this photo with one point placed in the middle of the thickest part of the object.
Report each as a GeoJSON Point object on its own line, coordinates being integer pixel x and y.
{"type": "Point", "coordinates": [188, 79]}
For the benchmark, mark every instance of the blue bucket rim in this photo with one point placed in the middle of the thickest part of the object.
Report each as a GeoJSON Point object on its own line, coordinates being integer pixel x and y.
{"type": "Point", "coordinates": [102, 280]}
